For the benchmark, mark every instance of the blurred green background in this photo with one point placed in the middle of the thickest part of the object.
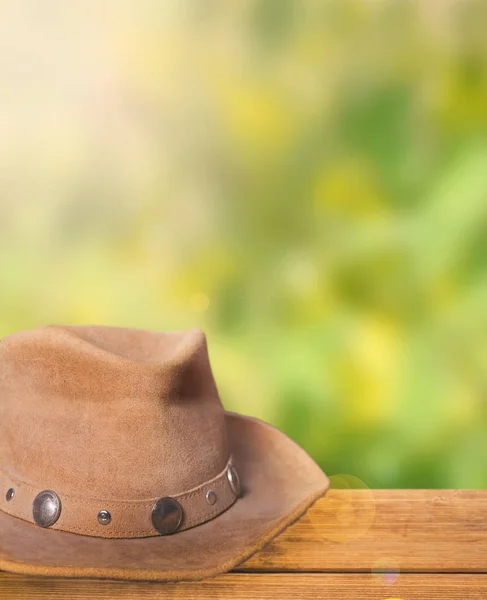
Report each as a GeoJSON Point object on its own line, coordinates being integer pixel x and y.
{"type": "Point", "coordinates": [306, 181]}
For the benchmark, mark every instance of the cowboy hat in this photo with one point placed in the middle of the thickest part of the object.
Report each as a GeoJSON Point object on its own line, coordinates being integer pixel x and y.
{"type": "Point", "coordinates": [118, 460]}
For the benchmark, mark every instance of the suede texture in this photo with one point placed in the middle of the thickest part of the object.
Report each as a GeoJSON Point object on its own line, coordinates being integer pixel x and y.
{"type": "Point", "coordinates": [104, 411]}
{"type": "Point", "coordinates": [129, 519]}
{"type": "Point", "coordinates": [129, 415]}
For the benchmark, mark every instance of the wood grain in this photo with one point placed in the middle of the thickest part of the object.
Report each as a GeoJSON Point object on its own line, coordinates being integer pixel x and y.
{"type": "Point", "coordinates": [253, 586]}
{"type": "Point", "coordinates": [409, 530]}
{"type": "Point", "coordinates": [380, 544]}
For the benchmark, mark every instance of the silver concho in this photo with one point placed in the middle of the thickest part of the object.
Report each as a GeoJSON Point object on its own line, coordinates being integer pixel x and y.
{"type": "Point", "coordinates": [234, 480]}
{"type": "Point", "coordinates": [46, 508]}
{"type": "Point", "coordinates": [167, 516]}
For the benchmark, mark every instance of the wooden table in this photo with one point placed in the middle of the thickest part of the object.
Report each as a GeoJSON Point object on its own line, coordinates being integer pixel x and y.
{"type": "Point", "coordinates": [406, 544]}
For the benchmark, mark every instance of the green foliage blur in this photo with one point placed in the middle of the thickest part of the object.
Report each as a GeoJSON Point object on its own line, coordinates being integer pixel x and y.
{"type": "Point", "coordinates": [306, 181]}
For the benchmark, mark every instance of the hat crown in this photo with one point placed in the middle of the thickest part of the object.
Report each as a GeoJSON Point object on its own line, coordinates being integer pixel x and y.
{"type": "Point", "coordinates": [110, 412]}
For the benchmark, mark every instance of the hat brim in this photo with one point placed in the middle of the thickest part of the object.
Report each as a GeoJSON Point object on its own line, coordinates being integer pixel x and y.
{"type": "Point", "coordinates": [279, 483]}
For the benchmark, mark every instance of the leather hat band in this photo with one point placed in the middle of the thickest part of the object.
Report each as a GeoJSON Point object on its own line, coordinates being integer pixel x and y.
{"type": "Point", "coordinates": [120, 518]}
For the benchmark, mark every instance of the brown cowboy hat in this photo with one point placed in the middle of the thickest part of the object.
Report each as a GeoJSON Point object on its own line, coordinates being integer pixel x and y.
{"type": "Point", "coordinates": [118, 460]}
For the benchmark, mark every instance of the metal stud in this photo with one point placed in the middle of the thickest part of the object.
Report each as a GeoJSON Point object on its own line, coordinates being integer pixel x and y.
{"type": "Point", "coordinates": [10, 494]}
{"type": "Point", "coordinates": [233, 480]}
{"type": "Point", "coordinates": [167, 515]}
{"type": "Point", "coordinates": [46, 508]}
{"type": "Point", "coordinates": [210, 497]}
{"type": "Point", "coordinates": [104, 517]}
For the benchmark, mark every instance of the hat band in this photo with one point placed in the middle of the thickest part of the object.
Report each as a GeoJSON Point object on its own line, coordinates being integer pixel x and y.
{"type": "Point", "coordinates": [120, 518]}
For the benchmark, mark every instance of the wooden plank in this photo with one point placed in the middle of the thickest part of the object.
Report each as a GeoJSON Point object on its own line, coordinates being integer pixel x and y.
{"type": "Point", "coordinates": [353, 543]}
{"type": "Point", "coordinates": [252, 586]}
{"type": "Point", "coordinates": [403, 530]}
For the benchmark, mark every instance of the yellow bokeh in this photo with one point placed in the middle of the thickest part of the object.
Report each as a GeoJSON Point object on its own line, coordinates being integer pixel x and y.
{"type": "Point", "coordinates": [305, 181]}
